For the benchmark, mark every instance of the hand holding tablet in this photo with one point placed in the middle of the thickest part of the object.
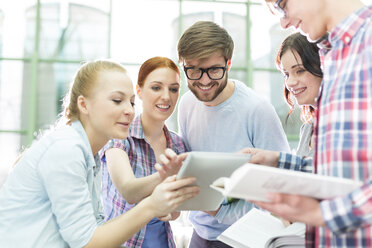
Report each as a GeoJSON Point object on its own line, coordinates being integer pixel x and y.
{"type": "Point", "coordinates": [207, 167]}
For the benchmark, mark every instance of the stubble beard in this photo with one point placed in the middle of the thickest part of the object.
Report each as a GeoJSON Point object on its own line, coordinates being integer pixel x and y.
{"type": "Point", "coordinates": [206, 97]}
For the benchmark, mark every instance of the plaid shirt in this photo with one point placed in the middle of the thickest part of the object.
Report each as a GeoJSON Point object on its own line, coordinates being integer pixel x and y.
{"type": "Point", "coordinates": [142, 159]}
{"type": "Point", "coordinates": [343, 132]}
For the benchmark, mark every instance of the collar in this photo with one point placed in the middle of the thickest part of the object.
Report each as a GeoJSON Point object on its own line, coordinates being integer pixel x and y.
{"type": "Point", "coordinates": [78, 127]}
{"type": "Point", "coordinates": [136, 131]}
{"type": "Point", "coordinates": [349, 27]}
{"type": "Point", "coordinates": [81, 131]}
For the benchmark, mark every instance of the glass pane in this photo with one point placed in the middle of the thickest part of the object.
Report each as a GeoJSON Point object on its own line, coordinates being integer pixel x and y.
{"type": "Point", "coordinates": [1, 31]}
{"type": "Point", "coordinates": [133, 74]}
{"type": "Point", "coordinates": [12, 27]}
{"type": "Point", "coordinates": [139, 35]}
{"type": "Point", "coordinates": [10, 147]}
{"type": "Point", "coordinates": [266, 36]}
{"type": "Point", "coordinates": [103, 5]}
{"type": "Point", "coordinates": [238, 74]}
{"type": "Point", "coordinates": [271, 86]}
{"type": "Point", "coordinates": [66, 31]}
{"type": "Point", "coordinates": [11, 78]}
{"type": "Point", "coordinates": [54, 81]}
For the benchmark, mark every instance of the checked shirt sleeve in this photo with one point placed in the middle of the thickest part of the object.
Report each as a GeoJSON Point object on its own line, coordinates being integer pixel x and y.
{"type": "Point", "coordinates": [292, 162]}
{"type": "Point", "coordinates": [345, 214]}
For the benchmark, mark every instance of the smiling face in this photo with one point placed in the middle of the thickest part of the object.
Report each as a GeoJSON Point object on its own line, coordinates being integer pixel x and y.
{"type": "Point", "coordinates": [310, 17]}
{"type": "Point", "coordinates": [303, 85]}
{"type": "Point", "coordinates": [110, 106]}
{"type": "Point", "coordinates": [159, 93]}
{"type": "Point", "coordinates": [206, 89]}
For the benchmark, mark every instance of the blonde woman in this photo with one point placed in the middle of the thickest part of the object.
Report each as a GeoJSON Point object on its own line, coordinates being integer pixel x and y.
{"type": "Point", "coordinates": [52, 197]}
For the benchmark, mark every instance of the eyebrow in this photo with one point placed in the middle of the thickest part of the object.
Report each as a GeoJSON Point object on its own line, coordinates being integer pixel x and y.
{"type": "Point", "coordinates": [215, 65]}
{"type": "Point", "coordinates": [118, 92]}
{"type": "Point", "coordinates": [292, 67]}
{"type": "Point", "coordinates": [122, 93]}
{"type": "Point", "coordinates": [159, 82]}
{"type": "Point", "coordinates": [296, 65]}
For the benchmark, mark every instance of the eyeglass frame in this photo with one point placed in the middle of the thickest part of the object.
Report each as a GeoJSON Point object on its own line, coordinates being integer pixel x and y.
{"type": "Point", "coordinates": [205, 70]}
{"type": "Point", "coordinates": [278, 10]}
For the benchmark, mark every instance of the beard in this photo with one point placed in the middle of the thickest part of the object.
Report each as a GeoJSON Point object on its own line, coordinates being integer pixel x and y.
{"type": "Point", "coordinates": [209, 96]}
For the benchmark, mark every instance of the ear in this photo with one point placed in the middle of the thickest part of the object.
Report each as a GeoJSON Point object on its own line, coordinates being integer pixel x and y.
{"type": "Point", "coordinates": [138, 90]}
{"type": "Point", "coordinates": [228, 65]}
{"type": "Point", "coordinates": [82, 105]}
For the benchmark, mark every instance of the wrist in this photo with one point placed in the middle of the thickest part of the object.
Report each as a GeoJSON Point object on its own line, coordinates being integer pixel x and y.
{"type": "Point", "coordinates": [147, 208]}
{"type": "Point", "coordinates": [159, 177]}
{"type": "Point", "coordinates": [277, 155]}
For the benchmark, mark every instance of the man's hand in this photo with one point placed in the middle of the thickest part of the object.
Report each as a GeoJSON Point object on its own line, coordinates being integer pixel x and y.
{"type": "Point", "coordinates": [294, 208]}
{"type": "Point", "coordinates": [263, 157]}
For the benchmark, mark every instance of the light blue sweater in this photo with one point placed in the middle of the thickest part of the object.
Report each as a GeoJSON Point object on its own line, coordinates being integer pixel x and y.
{"type": "Point", "coordinates": [245, 119]}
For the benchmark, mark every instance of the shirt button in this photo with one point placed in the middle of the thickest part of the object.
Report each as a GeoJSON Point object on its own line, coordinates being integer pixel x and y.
{"type": "Point", "coordinates": [347, 39]}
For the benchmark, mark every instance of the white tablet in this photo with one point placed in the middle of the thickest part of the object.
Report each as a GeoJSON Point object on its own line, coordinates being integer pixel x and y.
{"type": "Point", "coordinates": [207, 167]}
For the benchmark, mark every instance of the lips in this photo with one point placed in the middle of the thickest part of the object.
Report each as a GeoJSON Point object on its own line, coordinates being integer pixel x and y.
{"type": "Point", "coordinates": [298, 91]}
{"type": "Point", "coordinates": [163, 106]}
{"type": "Point", "coordinates": [204, 87]}
{"type": "Point", "coordinates": [124, 124]}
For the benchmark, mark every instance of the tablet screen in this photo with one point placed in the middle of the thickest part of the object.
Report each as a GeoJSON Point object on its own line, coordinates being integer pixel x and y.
{"type": "Point", "coordinates": [207, 167]}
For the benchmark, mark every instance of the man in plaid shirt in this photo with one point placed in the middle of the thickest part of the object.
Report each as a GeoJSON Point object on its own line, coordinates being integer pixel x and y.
{"type": "Point", "coordinates": [343, 131]}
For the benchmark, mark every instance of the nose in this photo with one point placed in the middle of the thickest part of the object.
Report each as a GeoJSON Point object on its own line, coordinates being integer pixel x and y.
{"type": "Point", "coordinates": [129, 109]}
{"type": "Point", "coordinates": [291, 82]}
{"type": "Point", "coordinates": [165, 94]}
{"type": "Point", "coordinates": [285, 23]}
{"type": "Point", "coordinates": [205, 78]}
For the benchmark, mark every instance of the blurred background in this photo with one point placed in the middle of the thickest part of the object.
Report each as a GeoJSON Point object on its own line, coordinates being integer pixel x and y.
{"type": "Point", "coordinates": [43, 43]}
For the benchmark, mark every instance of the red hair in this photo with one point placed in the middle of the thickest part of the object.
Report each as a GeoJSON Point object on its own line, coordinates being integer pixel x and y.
{"type": "Point", "coordinates": [152, 64]}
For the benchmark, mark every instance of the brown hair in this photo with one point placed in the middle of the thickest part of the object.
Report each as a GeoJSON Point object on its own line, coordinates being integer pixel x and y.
{"type": "Point", "coordinates": [309, 55]}
{"type": "Point", "coordinates": [152, 64]}
{"type": "Point", "coordinates": [203, 39]}
{"type": "Point", "coordinates": [84, 81]}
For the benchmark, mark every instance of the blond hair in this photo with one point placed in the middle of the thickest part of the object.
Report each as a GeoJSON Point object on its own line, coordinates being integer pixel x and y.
{"type": "Point", "coordinates": [203, 39]}
{"type": "Point", "coordinates": [82, 85]}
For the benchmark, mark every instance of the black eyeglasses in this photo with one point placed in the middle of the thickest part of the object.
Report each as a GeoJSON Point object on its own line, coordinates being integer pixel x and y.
{"type": "Point", "coordinates": [214, 73]}
{"type": "Point", "coordinates": [278, 9]}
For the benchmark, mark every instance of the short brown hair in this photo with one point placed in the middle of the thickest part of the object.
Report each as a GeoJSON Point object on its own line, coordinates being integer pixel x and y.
{"type": "Point", "coordinates": [203, 39]}
{"type": "Point", "coordinates": [152, 64]}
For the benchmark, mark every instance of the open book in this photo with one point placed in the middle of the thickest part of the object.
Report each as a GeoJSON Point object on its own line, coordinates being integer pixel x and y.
{"type": "Point", "coordinates": [252, 182]}
{"type": "Point", "coordinates": [258, 229]}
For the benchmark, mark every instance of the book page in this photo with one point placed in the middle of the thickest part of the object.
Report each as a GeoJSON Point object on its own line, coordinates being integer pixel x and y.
{"type": "Point", "coordinates": [293, 235]}
{"type": "Point", "coordinates": [252, 182]}
{"type": "Point", "coordinates": [255, 229]}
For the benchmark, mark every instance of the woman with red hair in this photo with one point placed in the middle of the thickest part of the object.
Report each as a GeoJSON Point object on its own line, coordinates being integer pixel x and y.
{"type": "Point", "coordinates": [129, 173]}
